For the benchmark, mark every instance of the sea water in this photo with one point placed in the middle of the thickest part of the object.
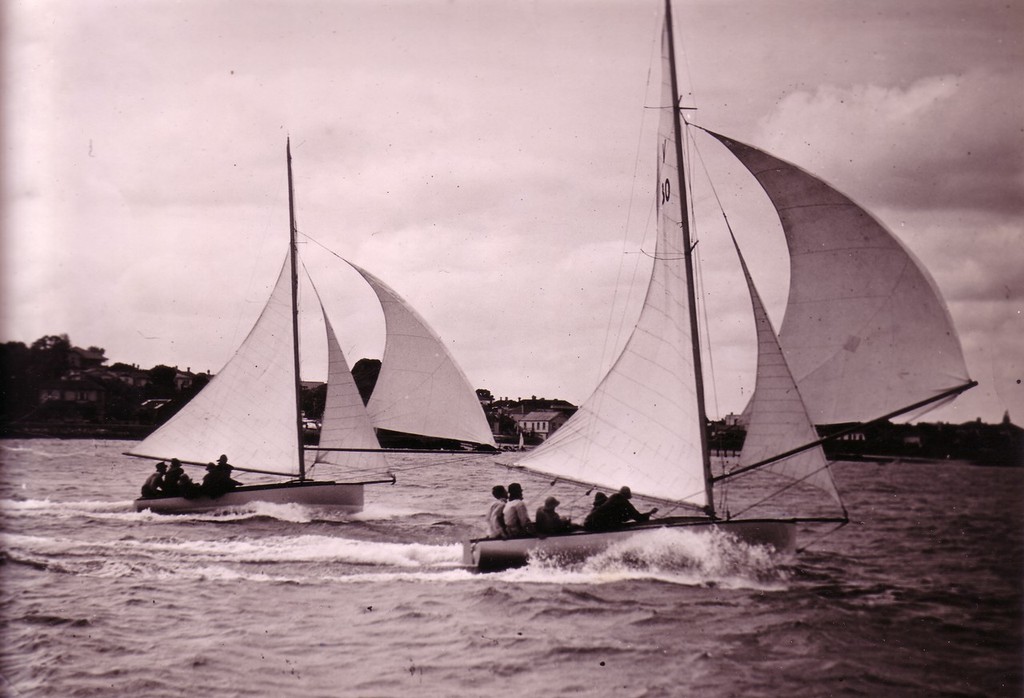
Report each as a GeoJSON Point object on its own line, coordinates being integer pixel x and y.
{"type": "Point", "coordinates": [919, 596]}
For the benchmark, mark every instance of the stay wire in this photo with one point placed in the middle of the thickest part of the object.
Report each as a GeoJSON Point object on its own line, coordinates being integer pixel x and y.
{"type": "Point", "coordinates": [691, 146]}
{"type": "Point", "coordinates": [794, 483]}
{"type": "Point", "coordinates": [822, 537]}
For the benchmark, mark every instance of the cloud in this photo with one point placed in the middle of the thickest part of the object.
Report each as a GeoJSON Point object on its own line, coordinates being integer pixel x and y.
{"type": "Point", "coordinates": [946, 141]}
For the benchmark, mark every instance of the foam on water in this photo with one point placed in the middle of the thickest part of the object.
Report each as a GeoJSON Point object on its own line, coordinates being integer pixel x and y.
{"type": "Point", "coordinates": [125, 509]}
{"type": "Point", "coordinates": [266, 550]}
{"type": "Point", "coordinates": [675, 556]}
{"type": "Point", "coordinates": [30, 507]}
{"type": "Point", "coordinates": [293, 513]}
{"type": "Point", "coordinates": [33, 449]}
{"type": "Point", "coordinates": [379, 512]}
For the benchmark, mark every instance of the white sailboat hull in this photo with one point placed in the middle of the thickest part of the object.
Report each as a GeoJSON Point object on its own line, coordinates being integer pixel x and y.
{"type": "Point", "coordinates": [345, 497]}
{"type": "Point", "coordinates": [490, 555]}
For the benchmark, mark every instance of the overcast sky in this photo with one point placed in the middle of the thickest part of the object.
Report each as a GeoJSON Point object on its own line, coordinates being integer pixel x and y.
{"type": "Point", "coordinates": [490, 160]}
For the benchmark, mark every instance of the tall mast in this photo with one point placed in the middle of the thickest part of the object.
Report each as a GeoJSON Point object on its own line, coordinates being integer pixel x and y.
{"type": "Point", "coordinates": [293, 247]}
{"type": "Point", "coordinates": [690, 290]}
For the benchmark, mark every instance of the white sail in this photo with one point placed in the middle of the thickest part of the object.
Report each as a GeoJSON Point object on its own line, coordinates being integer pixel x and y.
{"type": "Point", "coordinates": [346, 423]}
{"type": "Point", "coordinates": [641, 426]}
{"type": "Point", "coordinates": [866, 331]}
{"type": "Point", "coordinates": [420, 389]}
{"type": "Point", "coordinates": [248, 410]}
{"type": "Point", "coordinates": [778, 420]}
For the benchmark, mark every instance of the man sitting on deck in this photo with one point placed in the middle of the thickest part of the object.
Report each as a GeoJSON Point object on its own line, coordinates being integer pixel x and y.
{"type": "Point", "coordinates": [548, 521]}
{"type": "Point", "coordinates": [172, 486]}
{"type": "Point", "coordinates": [218, 478]}
{"type": "Point", "coordinates": [615, 512]}
{"type": "Point", "coordinates": [495, 515]}
{"type": "Point", "coordinates": [517, 520]}
{"type": "Point", "coordinates": [154, 485]}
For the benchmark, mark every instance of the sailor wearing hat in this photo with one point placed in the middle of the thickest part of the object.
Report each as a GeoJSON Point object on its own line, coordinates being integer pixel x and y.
{"type": "Point", "coordinates": [548, 520]}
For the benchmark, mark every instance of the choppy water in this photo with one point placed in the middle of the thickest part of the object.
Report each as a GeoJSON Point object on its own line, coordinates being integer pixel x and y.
{"type": "Point", "coordinates": [921, 596]}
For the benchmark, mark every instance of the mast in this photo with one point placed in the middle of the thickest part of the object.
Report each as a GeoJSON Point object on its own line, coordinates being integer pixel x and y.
{"type": "Point", "coordinates": [690, 290]}
{"type": "Point", "coordinates": [295, 312]}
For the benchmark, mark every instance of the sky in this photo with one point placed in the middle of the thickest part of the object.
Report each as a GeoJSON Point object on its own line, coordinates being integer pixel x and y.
{"type": "Point", "coordinates": [491, 161]}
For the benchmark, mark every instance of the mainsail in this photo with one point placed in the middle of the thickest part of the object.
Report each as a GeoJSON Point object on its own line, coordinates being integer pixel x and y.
{"type": "Point", "coordinates": [247, 411]}
{"type": "Point", "coordinates": [641, 426]}
{"type": "Point", "coordinates": [866, 331]}
{"type": "Point", "coordinates": [420, 389]}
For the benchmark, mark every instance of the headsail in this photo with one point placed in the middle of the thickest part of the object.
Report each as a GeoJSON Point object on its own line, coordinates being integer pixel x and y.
{"type": "Point", "coordinates": [866, 331]}
{"type": "Point", "coordinates": [778, 420]}
{"type": "Point", "coordinates": [247, 411]}
{"type": "Point", "coordinates": [420, 389]}
{"type": "Point", "coordinates": [641, 427]}
{"type": "Point", "coordinates": [346, 424]}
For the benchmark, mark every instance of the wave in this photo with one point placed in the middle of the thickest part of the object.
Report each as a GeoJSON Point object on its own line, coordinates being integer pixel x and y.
{"type": "Point", "coordinates": [75, 451]}
{"type": "Point", "coordinates": [673, 556]}
{"type": "Point", "coordinates": [61, 551]}
{"type": "Point", "coordinates": [125, 510]}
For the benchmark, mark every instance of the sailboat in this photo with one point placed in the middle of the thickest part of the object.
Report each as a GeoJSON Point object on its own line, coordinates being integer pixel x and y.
{"type": "Point", "coordinates": [866, 337]}
{"type": "Point", "coordinates": [251, 410]}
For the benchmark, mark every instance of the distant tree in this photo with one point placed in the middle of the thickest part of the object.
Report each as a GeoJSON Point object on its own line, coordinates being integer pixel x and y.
{"type": "Point", "coordinates": [365, 374]}
{"type": "Point", "coordinates": [199, 381]}
{"type": "Point", "coordinates": [506, 425]}
{"type": "Point", "coordinates": [17, 388]}
{"type": "Point", "coordinates": [314, 400]}
{"type": "Point", "coordinates": [50, 356]}
{"type": "Point", "coordinates": [50, 342]}
{"type": "Point", "coordinates": [162, 381]}
{"type": "Point", "coordinates": [484, 394]}
{"type": "Point", "coordinates": [122, 402]}
{"type": "Point", "coordinates": [163, 387]}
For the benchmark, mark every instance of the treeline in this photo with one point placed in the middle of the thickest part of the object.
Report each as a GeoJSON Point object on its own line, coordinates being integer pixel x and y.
{"type": "Point", "coordinates": [53, 380]}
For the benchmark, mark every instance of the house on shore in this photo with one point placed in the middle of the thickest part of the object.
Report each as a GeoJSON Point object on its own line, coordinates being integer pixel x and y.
{"type": "Point", "coordinates": [73, 398]}
{"type": "Point", "coordinates": [540, 424]}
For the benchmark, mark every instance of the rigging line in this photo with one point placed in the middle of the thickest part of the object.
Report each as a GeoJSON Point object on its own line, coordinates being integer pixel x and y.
{"type": "Point", "coordinates": [321, 245]}
{"type": "Point", "coordinates": [396, 451]}
{"type": "Point", "coordinates": [952, 392]}
{"type": "Point", "coordinates": [822, 536]}
{"type": "Point", "coordinates": [610, 344]}
{"type": "Point", "coordinates": [392, 468]}
{"type": "Point", "coordinates": [718, 199]}
{"type": "Point", "coordinates": [240, 468]}
{"type": "Point", "coordinates": [420, 466]}
{"type": "Point", "coordinates": [794, 482]}
{"type": "Point", "coordinates": [689, 76]}
{"type": "Point", "coordinates": [663, 258]}
{"type": "Point", "coordinates": [699, 266]}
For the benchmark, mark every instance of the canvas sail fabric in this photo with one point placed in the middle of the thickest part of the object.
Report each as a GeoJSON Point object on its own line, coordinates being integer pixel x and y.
{"type": "Point", "coordinates": [641, 427]}
{"type": "Point", "coordinates": [248, 410]}
{"type": "Point", "coordinates": [778, 420]}
{"type": "Point", "coordinates": [346, 423]}
{"type": "Point", "coordinates": [866, 331]}
{"type": "Point", "coordinates": [420, 389]}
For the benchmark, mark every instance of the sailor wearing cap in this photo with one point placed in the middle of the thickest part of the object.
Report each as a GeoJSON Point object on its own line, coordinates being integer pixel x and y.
{"type": "Point", "coordinates": [548, 520]}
